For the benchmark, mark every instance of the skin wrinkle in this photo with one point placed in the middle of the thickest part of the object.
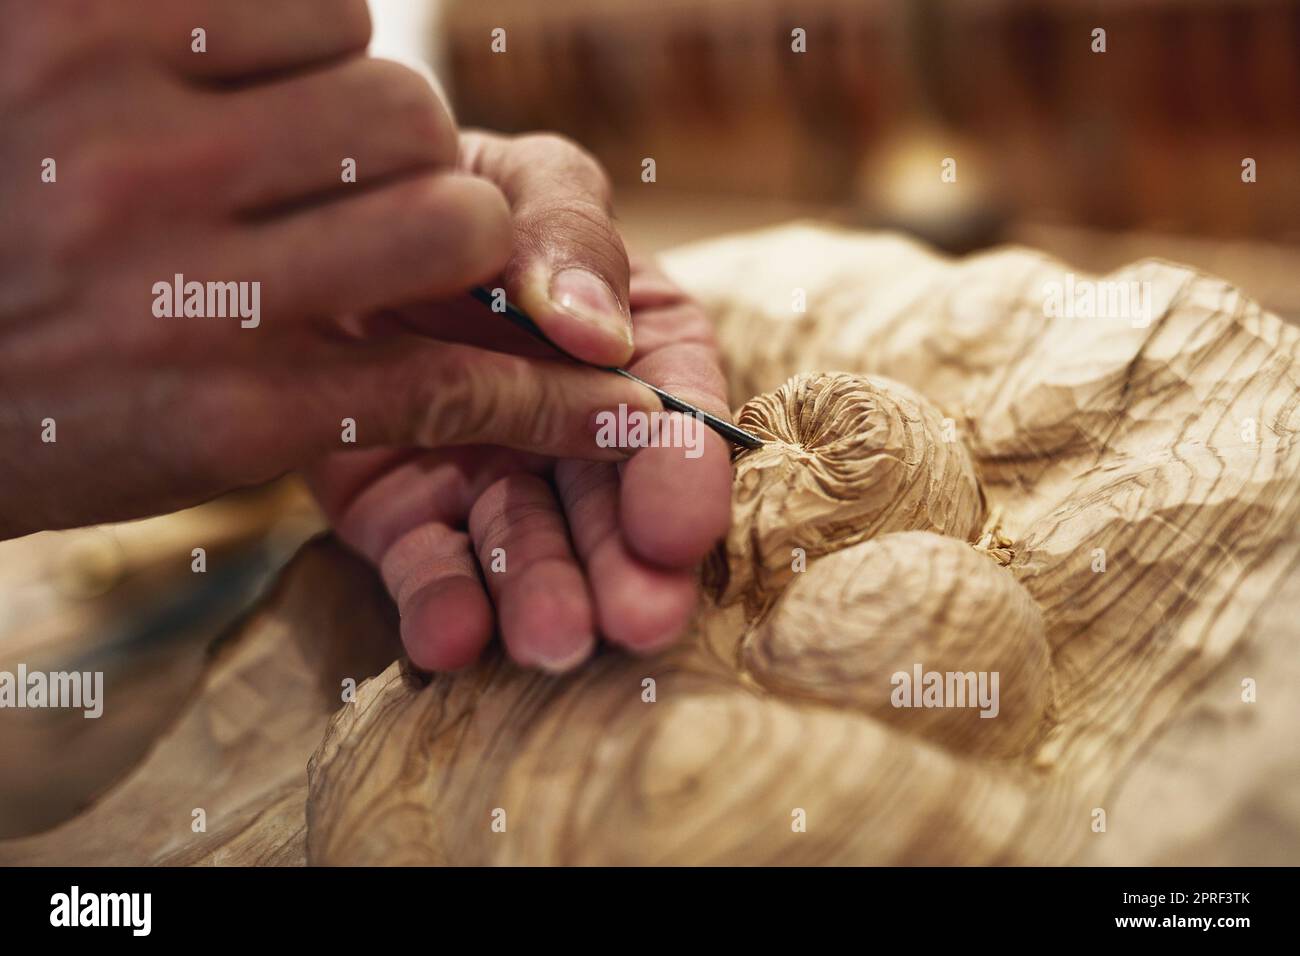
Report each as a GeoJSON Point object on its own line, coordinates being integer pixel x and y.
{"type": "Point", "coordinates": [517, 521]}
{"type": "Point", "coordinates": [450, 401]}
{"type": "Point", "coordinates": [576, 489]}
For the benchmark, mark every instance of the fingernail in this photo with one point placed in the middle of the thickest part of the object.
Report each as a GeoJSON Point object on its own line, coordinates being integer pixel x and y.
{"type": "Point", "coordinates": [585, 295]}
{"type": "Point", "coordinates": [555, 661]}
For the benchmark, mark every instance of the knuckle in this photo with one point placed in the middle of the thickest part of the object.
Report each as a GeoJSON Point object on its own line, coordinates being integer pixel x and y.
{"type": "Point", "coordinates": [581, 227]}
{"type": "Point", "coordinates": [537, 414]}
{"type": "Point", "coordinates": [576, 214]}
{"type": "Point", "coordinates": [445, 402]}
{"type": "Point", "coordinates": [542, 417]}
{"type": "Point", "coordinates": [485, 412]}
{"type": "Point", "coordinates": [573, 162]}
{"type": "Point", "coordinates": [459, 401]}
{"type": "Point", "coordinates": [526, 512]}
{"type": "Point", "coordinates": [513, 507]}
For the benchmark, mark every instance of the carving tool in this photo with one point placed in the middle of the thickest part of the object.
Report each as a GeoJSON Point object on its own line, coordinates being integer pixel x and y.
{"type": "Point", "coordinates": [521, 319]}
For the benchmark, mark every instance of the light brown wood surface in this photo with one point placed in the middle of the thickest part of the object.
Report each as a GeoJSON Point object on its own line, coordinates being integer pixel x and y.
{"type": "Point", "coordinates": [239, 751]}
{"type": "Point", "coordinates": [956, 466]}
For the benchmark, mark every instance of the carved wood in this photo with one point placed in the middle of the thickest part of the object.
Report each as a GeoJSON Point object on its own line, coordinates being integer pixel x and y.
{"type": "Point", "coordinates": [1103, 512]}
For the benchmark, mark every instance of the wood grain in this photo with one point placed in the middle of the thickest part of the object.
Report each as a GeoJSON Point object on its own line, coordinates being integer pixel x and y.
{"type": "Point", "coordinates": [239, 752]}
{"type": "Point", "coordinates": [846, 458]}
{"type": "Point", "coordinates": [1116, 535]}
{"type": "Point", "coordinates": [842, 629]}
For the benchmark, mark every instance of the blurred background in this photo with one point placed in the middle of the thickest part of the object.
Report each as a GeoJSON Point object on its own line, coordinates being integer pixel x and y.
{"type": "Point", "coordinates": [1098, 158]}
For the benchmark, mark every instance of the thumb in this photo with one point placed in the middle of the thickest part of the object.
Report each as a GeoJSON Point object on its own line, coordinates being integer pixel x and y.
{"type": "Point", "coordinates": [569, 270]}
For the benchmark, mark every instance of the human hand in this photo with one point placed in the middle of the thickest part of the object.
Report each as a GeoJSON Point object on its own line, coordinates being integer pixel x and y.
{"type": "Point", "coordinates": [589, 548]}
{"type": "Point", "coordinates": [131, 158]}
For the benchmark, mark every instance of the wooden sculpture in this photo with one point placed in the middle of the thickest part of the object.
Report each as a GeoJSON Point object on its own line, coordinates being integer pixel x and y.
{"type": "Point", "coordinates": [959, 480]}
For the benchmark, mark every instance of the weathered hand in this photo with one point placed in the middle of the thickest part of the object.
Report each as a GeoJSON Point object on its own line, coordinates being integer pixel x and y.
{"type": "Point", "coordinates": [137, 150]}
{"type": "Point", "coordinates": [590, 549]}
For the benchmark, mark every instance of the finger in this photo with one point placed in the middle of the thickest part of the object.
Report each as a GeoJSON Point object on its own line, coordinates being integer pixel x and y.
{"type": "Point", "coordinates": [674, 508]}
{"type": "Point", "coordinates": [639, 606]}
{"type": "Point", "coordinates": [295, 135]}
{"type": "Point", "coordinates": [543, 608]}
{"type": "Point", "coordinates": [569, 270]}
{"type": "Point", "coordinates": [245, 38]}
{"type": "Point", "coordinates": [676, 351]}
{"type": "Point", "coordinates": [375, 496]}
{"type": "Point", "coordinates": [423, 237]}
{"type": "Point", "coordinates": [258, 418]}
{"type": "Point", "coordinates": [410, 391]}
{"type": "Point", "coordinates": [399, 509]}
{"type": "Point", "coordinates": [446, 619]}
